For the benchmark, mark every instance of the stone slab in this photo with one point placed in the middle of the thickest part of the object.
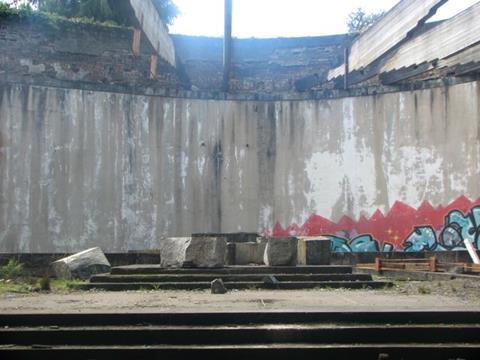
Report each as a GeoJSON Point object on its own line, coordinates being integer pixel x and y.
{"type": "Point", "coordinates": [81, 265]}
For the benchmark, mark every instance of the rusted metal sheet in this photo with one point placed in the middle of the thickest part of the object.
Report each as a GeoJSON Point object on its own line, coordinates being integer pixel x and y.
{"type": "Point", "coordinates": [392, 28]}
{"type": "Point", "coordinates": [442, 42]}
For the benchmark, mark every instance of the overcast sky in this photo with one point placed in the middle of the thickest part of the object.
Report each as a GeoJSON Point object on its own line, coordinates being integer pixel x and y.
{"type": "Point", "coordinates": [287, 18]}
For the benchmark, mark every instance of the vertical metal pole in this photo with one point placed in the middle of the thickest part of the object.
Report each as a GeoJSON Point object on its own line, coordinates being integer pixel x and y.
{"type": "Point", "coordinates": [227, 45]}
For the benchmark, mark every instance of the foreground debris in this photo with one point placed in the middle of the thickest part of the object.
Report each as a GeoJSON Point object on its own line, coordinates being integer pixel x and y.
{"type": "Point", "coordinates": [218, 287]}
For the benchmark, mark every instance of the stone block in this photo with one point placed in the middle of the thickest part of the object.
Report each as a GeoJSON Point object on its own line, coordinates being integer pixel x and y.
{"type": "Point", "coordinates": [173, 251]}
{"type": "Point", "coordinates": [281, 251]}
{"type": "Point", "coordinates": [250, 252]}
{"type": "Point", "coordinates": [201, 252]}
{"type": "Point", "coordinates": [313, 251]}
{"type": "Point", "coordinates": [81, 265]}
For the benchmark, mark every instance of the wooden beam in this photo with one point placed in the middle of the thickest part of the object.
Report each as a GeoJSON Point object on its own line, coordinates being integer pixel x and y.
{"type": "Point", "coordinates": [433, 264]}
{"type": "Point", "coordinates": [447, 39]}
{"type": "Point", "coordinates": [154, 29]}
{"type": "Point", "coordinates": [153, 66]}
{"type": "Point", "coordinates": [468, 55]}
{"type": "Point", "coordinates": [394, 27]}
{"type": "Point", "coordinates": [227, 44]}
{"type": "Point", "coordinates": [137, 34]}
{"type": "Point", "coordinates": [403, 74]}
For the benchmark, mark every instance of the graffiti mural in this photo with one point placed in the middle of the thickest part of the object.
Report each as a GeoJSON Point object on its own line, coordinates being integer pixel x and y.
{"type": "Point", "coordinates": [403, 228]}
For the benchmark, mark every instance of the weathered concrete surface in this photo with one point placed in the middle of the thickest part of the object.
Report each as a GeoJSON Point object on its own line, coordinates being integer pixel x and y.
{"type": "Point", "coordinates": [281, 252]}
{"type": "Point", "coordinates": [81, 168]}
{"type": "Point", "coordinates": [313, 251]}
{"type": "Point", "coordinates": [200, 252]}
{"type": "Point", "coordinates": [81, 265]}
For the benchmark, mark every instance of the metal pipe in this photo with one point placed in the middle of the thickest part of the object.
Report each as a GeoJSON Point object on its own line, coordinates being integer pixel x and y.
{"type": "Point", "coordinates": [227, 45]}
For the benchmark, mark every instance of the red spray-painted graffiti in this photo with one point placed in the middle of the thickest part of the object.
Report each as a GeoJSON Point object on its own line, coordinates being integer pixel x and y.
{"type": "Point", "coordinates": [400, 225]}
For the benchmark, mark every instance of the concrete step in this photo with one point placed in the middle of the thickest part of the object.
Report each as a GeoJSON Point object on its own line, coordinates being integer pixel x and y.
{"type": "Point", "coordinates": [278, 351]}
{"type": "Point", "coordinates": [155, 278]}
{"type": "Point", "coordinates": [250, 334]}
{"type": "Point", "coordinates": [199, 285]}
{"type": "Point", "coordinates": [231, 270]}
{"type": "Point", "coordinates": [242, 319]}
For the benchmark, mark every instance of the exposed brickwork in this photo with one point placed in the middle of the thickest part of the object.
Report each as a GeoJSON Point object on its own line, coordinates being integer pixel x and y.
{"type": "Point", "coordinates": [261, 65]}
{"type": "Point", "coordinates": [82, 55]}
{"type": "Point", "coordinates": [43, 51]}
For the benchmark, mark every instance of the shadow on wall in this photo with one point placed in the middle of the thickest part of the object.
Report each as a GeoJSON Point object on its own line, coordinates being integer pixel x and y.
{"type": "Point", "coordinates": [403, 228]}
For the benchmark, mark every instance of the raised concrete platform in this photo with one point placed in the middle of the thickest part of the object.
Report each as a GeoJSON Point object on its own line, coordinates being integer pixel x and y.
{"type": "Point", "coordinates": [234, 277]}
{"type": "Point", "coordinates": [157, 269]}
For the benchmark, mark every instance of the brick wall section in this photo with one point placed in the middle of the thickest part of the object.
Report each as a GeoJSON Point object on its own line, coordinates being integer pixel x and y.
{"type": "Point", "coordinates": [78, 55]}
{"type": "Point", "coordinates": [261, 65]}
{"type": "Point", "coordinates": [41, 51]}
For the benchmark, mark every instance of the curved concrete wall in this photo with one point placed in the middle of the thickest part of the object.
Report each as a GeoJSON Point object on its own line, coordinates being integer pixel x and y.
{"type": "Point", "coordinates": [81, 168]}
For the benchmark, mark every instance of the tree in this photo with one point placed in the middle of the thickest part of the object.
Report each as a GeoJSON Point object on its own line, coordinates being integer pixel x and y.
{"type": "Point", "coordinates": [359, 21]}
{"type": "Point", "coordinates": [118, 11]}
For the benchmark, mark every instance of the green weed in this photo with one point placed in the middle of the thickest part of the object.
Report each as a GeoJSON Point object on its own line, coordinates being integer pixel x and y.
{"type": "Point", "coordinates": [12, 270]}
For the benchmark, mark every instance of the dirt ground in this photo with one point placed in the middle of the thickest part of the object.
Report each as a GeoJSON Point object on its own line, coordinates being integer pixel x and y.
{"type": "Point", "coordinates": [437, 295]}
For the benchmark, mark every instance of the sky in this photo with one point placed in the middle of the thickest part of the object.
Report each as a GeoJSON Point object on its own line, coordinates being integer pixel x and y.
{"type": "Point", "coordinates": [283, 18]}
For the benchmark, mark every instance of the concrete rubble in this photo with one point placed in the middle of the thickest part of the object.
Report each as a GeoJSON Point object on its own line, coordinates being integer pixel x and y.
{"type": "Point", "coordinates": [81, 265]}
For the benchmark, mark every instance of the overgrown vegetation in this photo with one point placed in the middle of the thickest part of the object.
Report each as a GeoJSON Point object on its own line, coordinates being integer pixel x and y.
{"type": "Point", "coordinates": [13, 279]}
{"type": "Point", "coordinates": [21, 11]}
{"type": "Point", "coordinates": [106, 12]}
{"type": "Point", "coordinates": [359, 21]}
{"type": "Point", "coordinates": [424, 290]}
{"type": "Point", "coordinates": [25, 11]}
{"type": "Point", "coordinates": [12, 270]}
{"type": "Point", "coordinates": [34, 285]}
